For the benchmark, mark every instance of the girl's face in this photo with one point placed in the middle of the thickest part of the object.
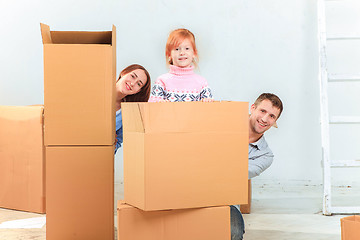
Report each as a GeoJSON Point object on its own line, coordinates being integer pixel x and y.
{"type": "Point", "coordinates": [132, 82]}
{"type": "Point", "coordinates": [183, 55]}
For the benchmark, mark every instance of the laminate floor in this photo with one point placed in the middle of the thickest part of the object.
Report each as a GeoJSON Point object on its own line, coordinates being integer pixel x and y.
{"type": "Point", "coordinates": [278, 213]}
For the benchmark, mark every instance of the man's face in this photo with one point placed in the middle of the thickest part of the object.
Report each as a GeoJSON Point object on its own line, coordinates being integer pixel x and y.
{"type": "Point", "coordinates": [263, 116]}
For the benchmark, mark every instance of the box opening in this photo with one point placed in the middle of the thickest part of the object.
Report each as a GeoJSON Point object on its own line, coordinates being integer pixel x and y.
{"type": "Point", "coordinates": [72, 37]}
{"type": "Point", "coordinates": [77, 37]}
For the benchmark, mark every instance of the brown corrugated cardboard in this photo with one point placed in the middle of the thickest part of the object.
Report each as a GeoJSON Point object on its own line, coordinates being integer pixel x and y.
{"type": "Point", "coordinates": [190, 224]}
{"type": "Point", "coordinates": [185, 155]}
{"type": "Point", "coordinates": [246, 208]}
{"type": "Point", "coordinates": [79, 87]}
{"type": "Point", "coordinates": [350, 228]}
{"type": "Point", "coordinates": [22, 163]}
{"type": "Point", "coordinates": [80, 192]}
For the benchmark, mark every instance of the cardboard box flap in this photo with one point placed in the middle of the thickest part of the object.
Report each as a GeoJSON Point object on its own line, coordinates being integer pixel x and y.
{"type": "Point", "coordinates": [132, 119]}
{"type": "Point", "coordinates": [186, 117]}
{"type": "Point", "coordinates": [45, 33]}
{"type": "Point", "coordinates": [77, 37]}
{"type": "Point", "coordinates": [121, 204]}
{"type": "Point", "coordinates": [113, 39]}
{"type": "Point", "coordinates": [113, 35]}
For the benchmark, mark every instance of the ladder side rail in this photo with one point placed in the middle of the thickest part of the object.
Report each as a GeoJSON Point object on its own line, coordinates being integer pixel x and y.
{"type": "Point", "coordinates": [324, 112]}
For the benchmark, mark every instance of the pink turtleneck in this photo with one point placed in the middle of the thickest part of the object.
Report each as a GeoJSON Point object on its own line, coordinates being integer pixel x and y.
{"type": "Point", "coordinates": [180, 85]}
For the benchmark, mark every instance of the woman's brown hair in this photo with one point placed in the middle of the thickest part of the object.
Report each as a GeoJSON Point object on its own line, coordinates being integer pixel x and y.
{"type": "Point", "coordinates": [144, 93]}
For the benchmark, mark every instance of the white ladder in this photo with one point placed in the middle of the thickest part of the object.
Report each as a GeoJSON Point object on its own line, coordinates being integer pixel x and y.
{"type": "Point", "coordinates": [326, 120]}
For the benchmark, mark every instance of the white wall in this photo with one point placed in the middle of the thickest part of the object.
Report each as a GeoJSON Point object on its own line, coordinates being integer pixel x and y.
{"type": "Point", "coordinates": [246, 47]}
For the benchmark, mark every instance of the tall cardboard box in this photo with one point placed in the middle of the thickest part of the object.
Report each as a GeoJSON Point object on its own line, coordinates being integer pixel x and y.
{"type": "Point", "coordinates": [22, 161]}
{"type": "Point", "coordinates": [80, 188]}
{"type": "Point", "coordinates": [350, 228]}
{"type": "Point", "coordinates": [185, 155]}
{"type": "Point", "coordinates": [191, 224]}
{"type": "Point", "coordinates": [79, 87]}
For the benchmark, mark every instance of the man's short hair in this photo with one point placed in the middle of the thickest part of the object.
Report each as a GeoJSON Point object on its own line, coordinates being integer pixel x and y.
{"type": "Point", "coordinates": [275, 100]}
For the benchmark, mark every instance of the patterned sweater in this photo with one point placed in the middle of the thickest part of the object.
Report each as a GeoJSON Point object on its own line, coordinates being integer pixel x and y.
{"type": "Point", "coordinates": [180, 85]}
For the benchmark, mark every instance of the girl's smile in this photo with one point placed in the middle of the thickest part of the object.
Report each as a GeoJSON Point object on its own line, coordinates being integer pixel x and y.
{"type": "Point", "coordinates": [183, 55]}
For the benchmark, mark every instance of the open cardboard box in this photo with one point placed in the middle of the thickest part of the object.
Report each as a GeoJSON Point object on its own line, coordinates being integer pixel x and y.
{"type": "Point", "coordinates": [350, 228]}
{"type": "Point", "coordinates": [185, 155]}
{"type": "Point", "coordinates": [191, 224]}
{"type": "Point", "coordinates": [79, 87]}
{"type": "Point", "coordinates": [22, 158]}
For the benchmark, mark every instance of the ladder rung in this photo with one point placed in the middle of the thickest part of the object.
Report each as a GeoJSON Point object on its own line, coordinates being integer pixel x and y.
{"type": "Point", "coordinates": [343, 37]}
{"type": "Point", "coordinates": [351, 210]}
{"type": "Point", "coordinates": [343, 77]}
{"type": "Point", "coordinates": [344, 119]}
{"type": "Point", "coordinates": [346, 163]}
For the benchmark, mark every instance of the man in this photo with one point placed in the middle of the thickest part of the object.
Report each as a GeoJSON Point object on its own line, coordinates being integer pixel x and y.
{"type": "Point", "coordinates": [263, 115]}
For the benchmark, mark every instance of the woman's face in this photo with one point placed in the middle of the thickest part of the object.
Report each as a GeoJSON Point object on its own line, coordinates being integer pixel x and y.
{"type": "Point", "coordinates": [132, 82]}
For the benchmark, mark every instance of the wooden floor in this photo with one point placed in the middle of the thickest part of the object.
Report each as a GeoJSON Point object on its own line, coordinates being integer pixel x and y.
{"type": "Point", "coordinates": [34, 233]}
{"type": "Point", "coordinates": [278, 213]}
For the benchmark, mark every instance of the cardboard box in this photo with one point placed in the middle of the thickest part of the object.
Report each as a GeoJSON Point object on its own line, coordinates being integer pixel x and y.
{"type": "Point", "coordinates": [185, 155]}
{"type": "Point", "coordinates": [80, 193]}
{"type": "Point", "coordinates": [22, 162]}
{"type": "Point", "coordinates": [246, 208]}
{"type": "Point", "coordinates": [190, 224]}
{"type": "Point", "coordinates": [350, 228]}
{"type": "Point", "coordinates": [79, 87]}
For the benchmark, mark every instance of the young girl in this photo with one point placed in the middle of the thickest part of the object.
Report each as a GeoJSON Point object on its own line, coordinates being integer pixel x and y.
{"type": "Point", "coordinates": [181, 84]}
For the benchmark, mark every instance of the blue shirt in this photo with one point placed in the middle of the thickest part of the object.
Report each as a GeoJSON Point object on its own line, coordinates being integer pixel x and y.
{"type": "Point", "coordinates": [260, 157]}
{"type": "Point", "coordinates": [119, 130]}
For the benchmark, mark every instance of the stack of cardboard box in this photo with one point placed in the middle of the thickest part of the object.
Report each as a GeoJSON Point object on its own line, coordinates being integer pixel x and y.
{"type": "Point", "coordinates": [22, 162]}
{"type": "Point", "coordinates": [184, 164]}
{"type": "Point", "coordinates": [350, 227]}
{"type": "Point", "coordinates": [79, 135]}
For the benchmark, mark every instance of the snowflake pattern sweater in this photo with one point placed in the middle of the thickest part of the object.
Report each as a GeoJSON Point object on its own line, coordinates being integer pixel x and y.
{"type": "Point", "coordinates": [180, 85]}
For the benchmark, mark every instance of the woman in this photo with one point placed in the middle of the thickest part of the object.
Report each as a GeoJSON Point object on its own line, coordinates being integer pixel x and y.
{"type": "Point", "coordinates": [133, 85]}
